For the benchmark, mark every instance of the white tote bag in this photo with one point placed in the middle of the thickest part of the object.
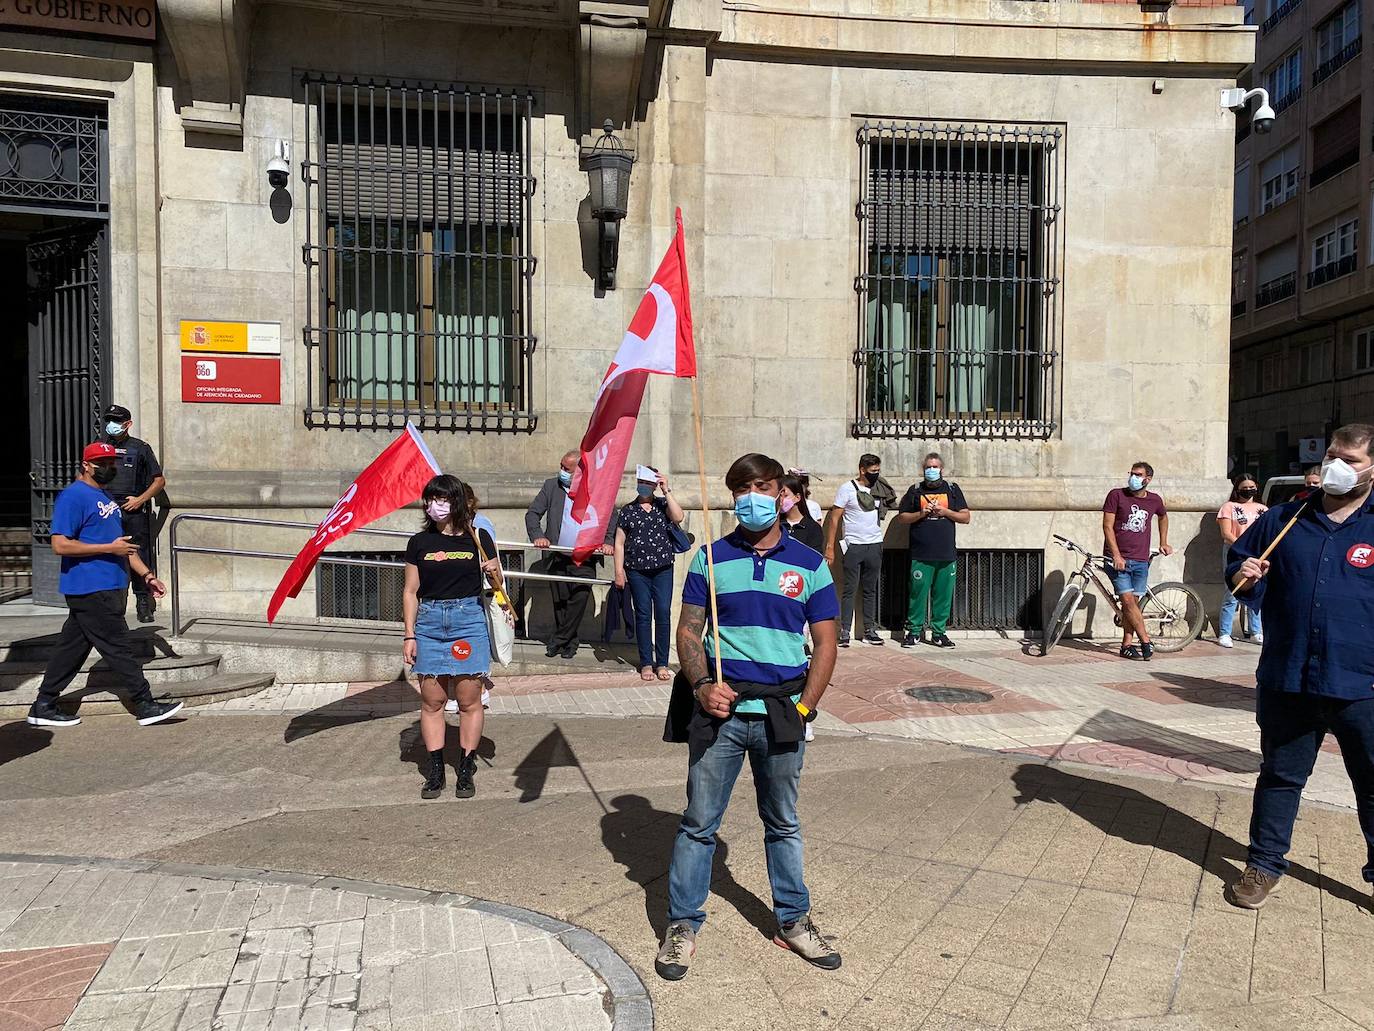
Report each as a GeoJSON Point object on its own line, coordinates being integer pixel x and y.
{"type": "Point", "coordinates": [500, 625]}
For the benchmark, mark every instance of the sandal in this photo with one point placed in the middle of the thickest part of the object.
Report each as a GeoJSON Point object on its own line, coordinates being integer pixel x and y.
{"type": "Point", "coordinates": [664, 674]}
{"type": "Point", "coordinates": [646, 674]}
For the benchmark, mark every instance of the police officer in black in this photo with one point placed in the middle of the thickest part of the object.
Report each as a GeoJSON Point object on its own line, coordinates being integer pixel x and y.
{"type": "Point", "coordinates": [138, 480]}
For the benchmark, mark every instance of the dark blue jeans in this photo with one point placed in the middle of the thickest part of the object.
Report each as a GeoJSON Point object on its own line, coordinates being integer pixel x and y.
{"type": "Point", "coordinates": [711, 773]}
{"type": "Point", "coordinates": [652, 591]}
{"type": "Point", "coordinates": [1292, 726]}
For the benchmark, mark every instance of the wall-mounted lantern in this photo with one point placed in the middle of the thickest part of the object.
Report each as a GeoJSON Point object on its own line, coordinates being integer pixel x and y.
{"type": "Point", "coordinates": [608, 167]}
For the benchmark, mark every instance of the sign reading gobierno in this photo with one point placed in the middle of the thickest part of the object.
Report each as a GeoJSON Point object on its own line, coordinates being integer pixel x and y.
{"type": "Point", "coordinates": [124, 19]}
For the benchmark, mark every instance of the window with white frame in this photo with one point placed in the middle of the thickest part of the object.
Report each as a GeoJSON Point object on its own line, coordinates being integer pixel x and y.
{"type": "Point", "coordinates": [1279, 177]}
{"type": "Point", "coordinates": [1338, 32]}
{"type": "Point", "coordinates": [1284, 78]}
{"type": "Point", "coordinates": [1334, 240]}
{"type": "Point", "coordinates": [1362, 350]}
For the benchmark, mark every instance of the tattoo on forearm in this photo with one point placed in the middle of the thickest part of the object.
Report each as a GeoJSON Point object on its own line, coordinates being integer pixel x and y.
{"type": "Point", "coordinates": [691, 649]}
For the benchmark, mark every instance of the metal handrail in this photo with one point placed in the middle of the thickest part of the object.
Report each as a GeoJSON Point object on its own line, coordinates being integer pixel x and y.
{"type": "Point", "coordinates": [174, 549]}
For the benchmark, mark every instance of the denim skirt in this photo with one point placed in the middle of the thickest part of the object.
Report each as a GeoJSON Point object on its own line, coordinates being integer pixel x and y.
{"type": "Point", "coordinates": [451, 638]}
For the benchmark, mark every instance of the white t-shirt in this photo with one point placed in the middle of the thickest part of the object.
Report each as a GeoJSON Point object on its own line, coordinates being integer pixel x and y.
{"type": "Point", "coordinates": [811, 507]}
{"type": "Point", "coordinates": [860, 527]}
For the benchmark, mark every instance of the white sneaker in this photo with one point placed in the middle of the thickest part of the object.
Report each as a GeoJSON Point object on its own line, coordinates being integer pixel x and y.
{"type": "Point", "coordinates": [810, 734]}
{"type": "Point", "coordinates": [1225, 641]}
{"type": "Point", "coordinates": [486, 698]}
{"type": "Point", "coordinates": [1258, 638]}
{"type": "Point", "coordinates": [451, 705]}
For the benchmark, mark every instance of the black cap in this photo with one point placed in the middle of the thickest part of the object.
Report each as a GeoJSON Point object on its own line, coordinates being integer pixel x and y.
{"type": "Point", "coordinates": [118, 413]}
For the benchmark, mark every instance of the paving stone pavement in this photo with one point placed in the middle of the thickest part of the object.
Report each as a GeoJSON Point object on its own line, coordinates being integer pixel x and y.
{"type": "Point", "coordinates": [1188, 715]}
{"type": "Point", "coordinates": [99, 945]}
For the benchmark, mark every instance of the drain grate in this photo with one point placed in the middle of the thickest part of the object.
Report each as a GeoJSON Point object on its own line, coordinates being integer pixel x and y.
{"type": "Point", "coordinates": [948, 695]}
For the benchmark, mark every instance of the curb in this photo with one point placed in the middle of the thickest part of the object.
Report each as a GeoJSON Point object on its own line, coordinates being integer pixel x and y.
{"type": "Point", "coordinates": [631, 1007]}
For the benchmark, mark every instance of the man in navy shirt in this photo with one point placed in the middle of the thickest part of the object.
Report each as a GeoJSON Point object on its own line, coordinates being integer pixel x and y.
{"type": "Point", "coordinates": [88, 535]}
{"type": "Point", "coordinates": [1316, 673]}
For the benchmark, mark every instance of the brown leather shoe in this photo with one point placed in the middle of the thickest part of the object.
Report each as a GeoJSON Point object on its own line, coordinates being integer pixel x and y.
{"type": "Point", "coordinates": [1252, 889]}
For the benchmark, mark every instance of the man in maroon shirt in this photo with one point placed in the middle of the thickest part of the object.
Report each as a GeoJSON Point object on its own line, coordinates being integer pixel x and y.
{"type": "Point", "coordinates": [1126, 516]}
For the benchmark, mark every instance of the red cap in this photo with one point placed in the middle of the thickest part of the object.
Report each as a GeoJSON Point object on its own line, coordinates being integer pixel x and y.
{"type": "Point", "coordinates": [95, 452]}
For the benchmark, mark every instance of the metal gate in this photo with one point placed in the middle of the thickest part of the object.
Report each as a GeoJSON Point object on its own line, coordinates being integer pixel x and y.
{"type": "Point", "coordinates": [994, 589]}
{"type": "Point", "coordinates": [68, 359]}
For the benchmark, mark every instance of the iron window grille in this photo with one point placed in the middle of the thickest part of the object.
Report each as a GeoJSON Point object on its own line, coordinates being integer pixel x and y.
{"type": "Point", "coordinates": [1281, 12]}
{"type": "Point", "coordinates": [1344, 56]}
{"type": "Point", "coordinates": [1332, 270]}
{"type": "Point", "coordinates": [1283, 103]}
{"type": "Point", "coordinates": [994, 589]}
{"type": "Point", "coordinates": [1276, 290]}
{"type": "Point", "coordinates": [53, 156]}
{"type": "Point", "coordinates": [420, 197]}
{"type": "Point", "coordinates": [960, 241]}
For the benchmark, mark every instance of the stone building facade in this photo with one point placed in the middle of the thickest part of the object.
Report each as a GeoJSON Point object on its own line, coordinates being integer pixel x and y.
{"type": "Point", "coordinates": [998, 229]}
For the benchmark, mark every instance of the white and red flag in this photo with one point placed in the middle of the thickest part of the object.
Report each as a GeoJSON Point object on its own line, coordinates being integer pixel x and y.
{"type": "Point", "coordinates": [658, 341]}
{"type": "Point", "coordinates": [394, 479]}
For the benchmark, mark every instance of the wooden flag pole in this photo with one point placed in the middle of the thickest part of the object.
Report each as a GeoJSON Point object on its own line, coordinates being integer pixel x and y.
{"type": "Point", "coordinates": [1244, 585]}
{"type": "Point", "coordinates": [706, 527]}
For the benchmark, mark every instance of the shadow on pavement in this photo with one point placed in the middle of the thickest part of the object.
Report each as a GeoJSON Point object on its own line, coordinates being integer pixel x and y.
{"type": "Point", "coordinates": [1134, 817]}
{"type": "Point", "coordinates": [640, 838]}
{"type": "Point", "coordinates": [18, 740]}
{"type": "Point", "coordinates": [412, 748]}
{"type": "Point", "coordinates": [381, 702]}
{"type": "Point", "coordinates": [533, 771]}
{"type": "Point", "coordinates": [1201, 691]}
{"type": "Point", "coordinates": [1127, 731]}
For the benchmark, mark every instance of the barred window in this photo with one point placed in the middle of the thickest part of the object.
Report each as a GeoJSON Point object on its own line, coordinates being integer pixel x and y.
{"type": "Point", "coordinates": [959, 246]}
{"type": "Point", "coordinates": [420, 254]}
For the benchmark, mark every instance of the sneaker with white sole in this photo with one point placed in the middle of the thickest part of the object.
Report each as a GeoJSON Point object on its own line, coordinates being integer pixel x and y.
{"type": "Point", "coordinates": [486, 698]}
{"type": "Point", "coordinates": [1225, 641]}
{"type": "Point", "coordinates": [149, 711]}
{"type": "Point", "coordinates": [50, 716]}
{"type": "Point", "coordinates": [676, 952]}
{"type": "Point", "coordinates": [451, 705]}
{"type": "Point", "coordinates": [806, 940]}
{"type": "Point", "coordinates": [1258, 638]}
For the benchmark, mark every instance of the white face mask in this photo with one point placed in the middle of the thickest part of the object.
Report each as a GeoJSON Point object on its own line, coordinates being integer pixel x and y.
{"type": "Point", "coordinates": [1339, 477]}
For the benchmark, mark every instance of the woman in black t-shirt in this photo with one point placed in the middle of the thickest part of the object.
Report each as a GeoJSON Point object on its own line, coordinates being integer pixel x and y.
{"type": "Point", "coordinates": [796, 515]}
{"type": "Point", "coordinates": [446, 625]}
{"type": "Point", "coordinates": [644, 559]}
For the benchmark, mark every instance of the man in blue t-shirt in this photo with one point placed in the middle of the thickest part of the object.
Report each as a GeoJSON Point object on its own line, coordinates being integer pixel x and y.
{"type": "Point", "coordinates": [88, 535]}
{"type": "Point", "coordinates": [769, 589]}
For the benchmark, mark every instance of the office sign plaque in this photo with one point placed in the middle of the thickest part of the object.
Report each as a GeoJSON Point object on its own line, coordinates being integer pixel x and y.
{"type": "Point", "coordinates": [122, 19]}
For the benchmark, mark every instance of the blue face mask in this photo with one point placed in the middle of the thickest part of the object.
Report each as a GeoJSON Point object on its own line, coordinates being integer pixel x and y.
{"type": "Point", "coordinates": [1135, 482]}
{"type": "Point", "coordinates": [932, 475]}
{"type": "Point", "coordinates": [756, 511]}
{"type": "Point", "coordinates": [114, 429]}
{"type": "Point", "coordinates": [644, 490]}
{"type": "Point", "coordinates": [564, 478]}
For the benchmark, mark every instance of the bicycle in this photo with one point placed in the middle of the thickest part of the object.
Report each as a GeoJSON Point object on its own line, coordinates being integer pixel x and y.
{"type": "Point", "coordinates": [1172, 611]}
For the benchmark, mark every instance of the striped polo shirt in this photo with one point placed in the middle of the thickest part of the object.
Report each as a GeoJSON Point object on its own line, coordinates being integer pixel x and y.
{"type": "Point", "coordinates": [765, 603]}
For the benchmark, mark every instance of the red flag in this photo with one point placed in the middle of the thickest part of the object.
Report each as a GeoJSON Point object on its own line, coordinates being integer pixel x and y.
{"type": "Point", "coordinates": [659, 340]}
{"type": "Point", "coordinates": [395, 478]}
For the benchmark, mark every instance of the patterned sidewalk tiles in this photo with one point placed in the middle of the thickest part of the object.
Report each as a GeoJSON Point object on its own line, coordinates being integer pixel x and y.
{"type": "Point", "coordinates": [107, 945]}
{"type": "Point", "coordinates": [1186, 715]}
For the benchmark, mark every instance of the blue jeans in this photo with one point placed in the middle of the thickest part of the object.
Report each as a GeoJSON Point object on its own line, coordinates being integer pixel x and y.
{"type": "Point", "coordinates": [711, 773]}
{"type": "Point", "coordinates": [1134, 579]}
{"type": "Point", "coordinates": [1229, 604]}
{"type": "Point", "coordinates": [652, 590]}
{"type": "Point", "coordinates": [1292, 726]}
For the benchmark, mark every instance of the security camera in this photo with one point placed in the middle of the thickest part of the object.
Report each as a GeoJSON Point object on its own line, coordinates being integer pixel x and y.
{"type": "Point", "coordinates": [1237, 99]}
{"type": "Point", "coordinates": [278, 168]}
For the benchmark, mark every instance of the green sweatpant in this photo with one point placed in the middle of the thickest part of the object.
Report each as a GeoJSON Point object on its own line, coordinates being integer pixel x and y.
{"type": "Point", "coordinates": [932, 585]}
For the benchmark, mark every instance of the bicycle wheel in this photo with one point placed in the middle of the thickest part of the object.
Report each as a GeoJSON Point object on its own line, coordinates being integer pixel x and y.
{"type": "Point", "coordinates": [1173, 615]}
{"type": "Point", "coordinates": [1064, 609]}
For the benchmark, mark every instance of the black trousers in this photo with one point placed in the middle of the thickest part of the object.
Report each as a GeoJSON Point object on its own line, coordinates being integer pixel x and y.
{"type": "Point", "coordinates": [94, 621]}
{"type": "Point", "coordinates": [139, 526]}
{"type": "Point", "coordinates": [569, 600]}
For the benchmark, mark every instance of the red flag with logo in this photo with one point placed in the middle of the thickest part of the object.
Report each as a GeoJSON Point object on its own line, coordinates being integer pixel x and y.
{"type": "Point", "coordinates": [395, 479]}
{"type": "Point", "coordinates": [659, 341]}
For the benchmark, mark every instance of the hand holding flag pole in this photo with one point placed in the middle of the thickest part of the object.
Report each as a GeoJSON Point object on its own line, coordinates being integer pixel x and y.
{"type": "Point", "coordinates": [1249, 582]}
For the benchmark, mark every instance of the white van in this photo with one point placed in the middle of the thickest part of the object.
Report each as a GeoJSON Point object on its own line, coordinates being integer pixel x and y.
{"type": "Point", "coordinates": [1281, 489]}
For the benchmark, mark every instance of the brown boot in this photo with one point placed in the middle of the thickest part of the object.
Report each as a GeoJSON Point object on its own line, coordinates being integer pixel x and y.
{"type": "Point", "coordinates": [1252, 889]}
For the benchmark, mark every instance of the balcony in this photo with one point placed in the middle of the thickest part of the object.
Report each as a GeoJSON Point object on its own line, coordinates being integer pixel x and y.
{"type": "Point", "coordinates": [1238, 308]}
{"type": "Point", "coordinates": [1334, 167]}
{"type": "Point", "coordinates": [1332, 270]}
{"type": "Point", "coordinates": [1283, 11]}
{"type": "Point", "coordinates": [1344, 56]}
{"type": "Point", "coordinates": [1276, 290]}
{"type": "Point", "coordinates": [1283, 103]}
